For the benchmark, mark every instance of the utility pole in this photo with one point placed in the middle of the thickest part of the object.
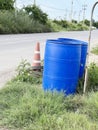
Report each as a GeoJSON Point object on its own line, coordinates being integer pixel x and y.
{"type": "Point", "coordinates": [79, 16]}
{"type": "Point", "coordinates": [34, 2]}
{"type": "Point", "coordinates": [15, 6]}
{"type": "Point", "coordinates": [74, 14]}
{"type": "Point", "coordinates": [84, 9]}
{"type": "Point", "coordinates": [66, 14]}
{"type": "Point", "coordinates": [71, 15]}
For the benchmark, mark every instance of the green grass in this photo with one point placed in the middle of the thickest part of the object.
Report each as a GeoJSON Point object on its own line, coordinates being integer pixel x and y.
{"type": "Point", "coordinates": [95, 50]}
{"type": "Point", "coordinates": [26, 107]}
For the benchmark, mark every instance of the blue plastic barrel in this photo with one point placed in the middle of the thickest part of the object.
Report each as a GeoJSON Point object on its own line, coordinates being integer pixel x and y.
{"type": "Point", "coordinates": [83, 54]}
{"type": "Point", "coordinates": [61, 66]}
{"type": "Point", "coordinates": [83, 58]}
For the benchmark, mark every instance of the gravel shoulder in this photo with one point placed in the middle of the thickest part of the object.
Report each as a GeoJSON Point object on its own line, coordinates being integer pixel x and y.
{"type": "Point", "coordinates": [93, 58]}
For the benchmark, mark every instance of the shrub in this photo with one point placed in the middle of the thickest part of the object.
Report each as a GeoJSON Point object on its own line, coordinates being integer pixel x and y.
{"type": "Point", "coordinates": [55, 26]}
{"type": "Point", "coordinates": [37, 14]}
{"type": "Point", "coordinates": [93, 77]}
{"type": "Point", "coordinates": [92, 83]}
{"type": "Point", "coordinates": [71, 26]}
{"type": "Point", "coordinates": [22, 23]}
{"type": "Point", "coordinates": [25, 73]}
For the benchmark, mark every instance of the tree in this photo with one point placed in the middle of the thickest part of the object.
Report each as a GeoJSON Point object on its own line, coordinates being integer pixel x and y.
{"type": "Point", "coordinates": [87, 22]}
{"type": "Point", "coordinates": [6, 4]}
{"type": "Point", "coordinates": [37, 14]}
{"type": "Point", "coordinates": [95, 24]}
{"type": "Point", "coordinates": [74, 21]}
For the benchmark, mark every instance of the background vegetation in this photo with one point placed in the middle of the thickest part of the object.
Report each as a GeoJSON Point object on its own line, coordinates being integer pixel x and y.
{"type": "Point", "coordinates": [7, 4]}
{"type": "Point", "coordinates": [31, 19]}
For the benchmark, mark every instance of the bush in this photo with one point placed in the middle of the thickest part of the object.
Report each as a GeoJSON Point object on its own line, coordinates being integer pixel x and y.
{"type": "Point", "coordinates": [22, 23]}
{"type": "Point", "coordinates": [70, 26]}
{"type": "Point", "coordinates": [92, 83]}
{"type": "Point", "coordinates": [93, 77]}
{"type": "Point", "coordinates": [37, 14]}
{"type": "Point", "coordinates": [56, 27]}
{"type": "Point", "coordinates": [77, 27]}
{"type": "Point", "coordinates": [25, 73]}
{"type": "Point", "coordinates": [6, 21]}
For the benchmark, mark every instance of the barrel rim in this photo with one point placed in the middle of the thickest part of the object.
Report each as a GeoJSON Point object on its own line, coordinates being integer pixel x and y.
{"type": "Point", "coordinates": [56, 41]}
{"type": "Point", "coordinates": [83, 42]}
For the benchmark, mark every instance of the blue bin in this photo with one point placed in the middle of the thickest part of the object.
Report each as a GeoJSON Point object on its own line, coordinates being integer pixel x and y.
{"type": "Point", "coordinates": [61, 66]}
{"type": "Point", "coordinates": [83, 54]}
{"type": "Point", "coordinates": [83, 58]}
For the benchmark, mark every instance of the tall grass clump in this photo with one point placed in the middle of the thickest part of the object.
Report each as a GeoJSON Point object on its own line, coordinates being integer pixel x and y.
{"type": "Point", "coordinates": [26, 107]}
{"type": "Point", "coordinates": [92, 82]}
{"type": "Point", "coordinates": [70, 26]}
{"type": "Point", "coordinates": [93, 77]}
{"type": "Point", "coordinates": [20, 23]}
{"type": "Point", "coordinates": [25, 73]}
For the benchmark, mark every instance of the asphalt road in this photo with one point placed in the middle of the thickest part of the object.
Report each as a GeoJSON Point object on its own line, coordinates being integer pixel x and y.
{"type": "Point", "coordinates": [14, 48]}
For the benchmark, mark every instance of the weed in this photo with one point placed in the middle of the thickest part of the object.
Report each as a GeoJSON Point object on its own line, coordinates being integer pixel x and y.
{"type": "Point", "coordinates": [95, 50]}
{"type": "Point", "coordinates": [25, 73]}
{"type": "Point", "coordinates": [92, 83]}
{"type": "Point", "coordinates": [93, 77]}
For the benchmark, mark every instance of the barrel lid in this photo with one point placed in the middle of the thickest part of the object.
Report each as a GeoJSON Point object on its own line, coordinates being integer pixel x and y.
{"type": "Point", "coordinates": [64, 42]}
{"type": "Point", "coordinates": [75, 40]}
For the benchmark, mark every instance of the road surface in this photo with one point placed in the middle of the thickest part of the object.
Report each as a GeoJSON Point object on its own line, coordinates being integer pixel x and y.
{"type": "Point", "coordinates": [14, 48]}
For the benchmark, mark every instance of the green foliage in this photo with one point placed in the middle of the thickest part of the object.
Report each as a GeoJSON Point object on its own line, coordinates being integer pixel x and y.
{"type": "Point", "coordinates": [25, 73]}
{"type": "Point", "coordinates": [87, 22]}
{"type": "Point", "coordinates": [80, 27]}
{"type": "Point", "coordinates": [92, 83]}
{"type": "Point", "coordinates": [7, 22]}
{"type": "Point", "coordinates": [93, 77]}
{"type": "Point", "coordinates": [26, 107]}
{"type": "Point", "coordinates": [71, 26]}
{"type": "Point", "coordinates": [37, 14]}
{"type": "Point", "coordinates": [74, 21]}
{"type": "Point", "coordinates": [11, 24]}
{"type": "Point", "coordinates": [22, 23]}
{"type": "Point", "coordinates": [95, 50]}
{"type": "Point", "coordinates": [56, 27]}
{"type": "Point", "coordinates": [33, 20]}
{"type": "Point", "coordinates": [62, 23]}
{"type": "Point", "coordinates": [6, 4]}
{"type": "Point", "coordinates": [95, 24]}
{"type": "Point", "coordinates": [91, 106]}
